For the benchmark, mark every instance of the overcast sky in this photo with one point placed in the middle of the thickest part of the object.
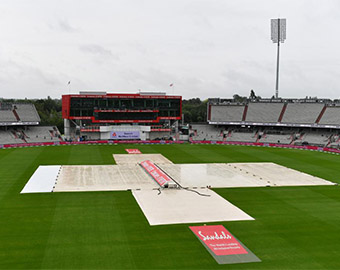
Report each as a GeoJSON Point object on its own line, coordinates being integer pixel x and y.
{"type": "Point", "coordinates": [206, 48]}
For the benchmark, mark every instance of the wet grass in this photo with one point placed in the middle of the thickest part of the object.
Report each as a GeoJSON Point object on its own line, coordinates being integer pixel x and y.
{"type": "Point", "coordinates": [295, 227]}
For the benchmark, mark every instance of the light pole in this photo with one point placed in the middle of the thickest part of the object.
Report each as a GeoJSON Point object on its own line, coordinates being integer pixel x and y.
{"type": "Point", "coordinates": [278, 35]}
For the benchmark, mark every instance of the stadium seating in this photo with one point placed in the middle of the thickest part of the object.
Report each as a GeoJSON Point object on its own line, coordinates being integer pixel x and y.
{"type": "Point", "coordinates": [242, 137]}
{"type": "Point", "coordinates": [276, 138]}
{"type": "Point", "coordinates": [331, 116]}
{"type": "Point", "coordinates": [18, 125]}
{"type": "Point", "coordinates": [334, 141]}
{"type": "Point", "coordinates": [267, 112]}
{"type": "Point", "coordinates": [7, 116]}
{"type": "Point", "coordinates": [321, 139]}
{"type": "Point", "coordinates": [203, 132]}
{"type": "Point", "coordinates": [302, 113]}
{"type": "Point", "coordinates": [264, 112]}
{"type": "Point", "coordinates": [200, 132]}
{"type": "Point", "coordinates": [19, 113]}
{"type": "Point", "coordinates": [27, 113]}
{"type": "Point", "coordinates": [7, 137]}
{"type": "Point", "coordinates": [42, 134]}
{"type": "Point", "coordinates": [212, 133]}
{"type": "Point", "coordinates": [263, 122]}
{"type": "Point", "coordinates": [31, 134]}
{"type": "Point", "coordinates": [223, 113]}
{"type": "Point", "coordinates": [158, 135]}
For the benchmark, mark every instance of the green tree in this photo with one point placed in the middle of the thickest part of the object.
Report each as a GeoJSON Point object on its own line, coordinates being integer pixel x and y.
{"type": "Point", "coordinates": [194, 110]}
{"type": "Point", "coordinates": [238, 98]}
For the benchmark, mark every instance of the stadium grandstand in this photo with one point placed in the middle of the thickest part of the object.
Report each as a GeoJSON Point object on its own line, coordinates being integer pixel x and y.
{"type": "Point", "coordinates": [108, 116]}
{"type": "Point", "coordinates": [284, 121]}
{"type": "Point", "coordinates": [19, 123]}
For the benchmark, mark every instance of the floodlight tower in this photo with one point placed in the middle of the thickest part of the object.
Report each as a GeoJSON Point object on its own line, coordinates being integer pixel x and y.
{"type": "Point", "coordinates": [278, 35]}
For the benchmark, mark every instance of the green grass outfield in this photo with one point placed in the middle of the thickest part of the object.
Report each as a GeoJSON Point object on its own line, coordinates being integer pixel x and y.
{"type": "Point", "coordinates": [295, 227]}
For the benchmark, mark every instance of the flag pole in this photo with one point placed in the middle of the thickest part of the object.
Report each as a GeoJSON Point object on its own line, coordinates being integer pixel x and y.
{"type": "Point", "coordinates": [69, 87]}
{"type": "Point", "coordinates": [173, 88]}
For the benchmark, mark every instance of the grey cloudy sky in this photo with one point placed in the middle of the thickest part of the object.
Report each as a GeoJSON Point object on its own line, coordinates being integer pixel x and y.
{"type": "Point", "coordinates": [207, 48]}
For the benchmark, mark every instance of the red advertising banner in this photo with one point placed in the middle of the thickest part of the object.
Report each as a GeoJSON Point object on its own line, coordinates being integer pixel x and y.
{"type": "Point", "coordinates": [160, 177]}
{"type": "Point", "coordinates": [305, 147]}
{"type": "Point", "coordinates": [133, 151]}
{"type": "Point", "coordinates": [12, 145]}
{"type": "Point", "coordinates": [218, 240]}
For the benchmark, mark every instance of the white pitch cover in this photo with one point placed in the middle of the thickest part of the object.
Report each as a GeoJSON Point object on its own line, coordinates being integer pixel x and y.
{"type": "Point", "coordinates": [177, 206]}
{"type": "Point", "coordinates": [43, 180]}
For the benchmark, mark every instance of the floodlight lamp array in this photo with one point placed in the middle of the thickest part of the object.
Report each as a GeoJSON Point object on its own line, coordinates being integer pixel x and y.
{"type": "Point", "coordinates": [278, 30]}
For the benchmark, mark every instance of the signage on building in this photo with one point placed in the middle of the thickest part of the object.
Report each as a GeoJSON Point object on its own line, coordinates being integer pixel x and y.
{"type": "Point", "coordinates": [124, 135]}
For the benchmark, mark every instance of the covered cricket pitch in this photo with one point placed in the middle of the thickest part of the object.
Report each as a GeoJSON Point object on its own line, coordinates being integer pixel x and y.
{"type": "Point", "coordinates": [192, 202]}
